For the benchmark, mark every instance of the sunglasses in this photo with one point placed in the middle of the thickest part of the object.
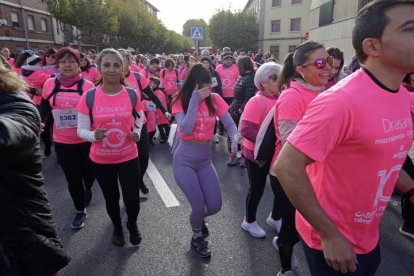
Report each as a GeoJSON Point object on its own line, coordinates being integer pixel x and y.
{"type": "Point", "coordinates": [320, 63]}
{"type": "Point", "coordinates": [50, 56]}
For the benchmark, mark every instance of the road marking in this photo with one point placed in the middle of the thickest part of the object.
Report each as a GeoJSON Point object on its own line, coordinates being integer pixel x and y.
{"type": "Point", "coordinates": [162, 188]}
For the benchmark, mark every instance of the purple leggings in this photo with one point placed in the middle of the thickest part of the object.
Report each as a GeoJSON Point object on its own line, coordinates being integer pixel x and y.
{"type": "Point", "coordinates": [195, 174]}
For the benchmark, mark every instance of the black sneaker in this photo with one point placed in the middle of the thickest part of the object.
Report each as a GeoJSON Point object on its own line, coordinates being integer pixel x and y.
{"type": "Point", "coordinates": [407, 231]}
{"type": "Point", "coordinates": [204, 230]}
{"type": "Point", "coordinates": [144, 189]}
{"type": "Point", "coordinates": [134, 235]}
{"type": "Point", "coordinates": [87, 197]}
{"type": "Point", "coordinates": [200, 246]}
{"type": "Point", "coordinates": [163, 141]}
{"type": "Point", "coordinates": [118, 236]}
{"type": "Point", "coordinates": [47, 151]}
{"type": "Point", "coordinates": [79, 220]}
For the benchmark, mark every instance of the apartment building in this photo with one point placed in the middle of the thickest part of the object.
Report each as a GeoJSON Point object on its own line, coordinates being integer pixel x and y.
{"type": "Point", "coordinates": [331, 23]}
{"type": "Point", "coordinates": [282, 24]}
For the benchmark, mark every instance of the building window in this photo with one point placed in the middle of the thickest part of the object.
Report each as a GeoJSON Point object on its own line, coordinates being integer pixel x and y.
{"type": "Point", "coordinates": [296, 2]}
{"type": "Point", "coordinates": [30, 23]}
{"type": "Point", "coordinates": [274, 50]}
{"type": "Point", "coordinates": [295, 25]}
{"type": "Point", "coordinates": [292, 48]}
{"type": "Point", "coordinates": [275, 26]}
{"type": "Point", "coordinates": [276, 3]}
{"type": "Point", "coordinates": [43, 24]}
{"type": "Point", "coordinates": [15, 19]}
{"type": "Point", "coordinates": [326, 13]}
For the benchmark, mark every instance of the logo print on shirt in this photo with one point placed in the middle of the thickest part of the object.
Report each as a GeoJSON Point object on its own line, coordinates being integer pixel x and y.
{"type": "Point", "coordinates": [114, 138]}
{"type": "Point", "coordinates": [384, 177]}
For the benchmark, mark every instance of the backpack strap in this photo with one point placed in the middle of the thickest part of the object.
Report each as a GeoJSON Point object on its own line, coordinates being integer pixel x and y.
{"type": "Point", "coordinates": [57, 89]}
{"type": "Point", "coordinates": [138, 78]}
{"type": "Point", "coordinates": [90, 98]}
{"type": "Point", "coordinates": [133, 97]}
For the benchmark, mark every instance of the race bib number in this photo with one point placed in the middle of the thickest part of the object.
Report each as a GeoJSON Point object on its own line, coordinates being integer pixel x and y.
{"type": "Point", "coordinates": [67, 118]}
{"type": "Point", "coordinates": [214, 82]}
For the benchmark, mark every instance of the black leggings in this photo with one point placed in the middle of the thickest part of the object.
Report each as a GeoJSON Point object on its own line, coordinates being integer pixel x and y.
{"type": "Point", "coordinates": [164, 130]}
{"type": "Point", "coordinates": [288, 236]}
{"type": "Point", "coordinates": [107, 176]}
{"type": "Point", "coordinates": [143, 153]}
{"type": "Point", "coordinates": [257, 181]}
{"type": "Point", "coordinates": [77, 167]}
{"type": "Point", "coordinates": [407, 208]}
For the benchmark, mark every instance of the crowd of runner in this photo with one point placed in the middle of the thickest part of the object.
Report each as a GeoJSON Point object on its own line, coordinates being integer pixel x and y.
{"type": "Point", "coordinates": [336, 131]}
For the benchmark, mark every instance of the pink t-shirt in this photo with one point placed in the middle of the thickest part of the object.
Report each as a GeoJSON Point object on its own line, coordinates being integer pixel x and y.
{"type": "Point", "coordinates": [91, 75]}
{"type": "Point", "coordinates": [133, 83]}
{"type": "Point", "coordinates": [228, 78]}
{"type": "Point", "coordinates": [160, 116]}
{"type": "Point", "coordinates": [255, 111]}
{"type": "Point", "coordinates": [204, 125]}
{"type": "Point", "coordinates": [169, 79]}
{"type": "Point", "coordinates": [113, 113]}
{"type": "Point", "coordinates": [36, 80]}
{"type": "Point", "coordinates": [359, 135]}
{"type": "Point", "coordinates": [134, 67]}
{"type": "Point", "coordinates": [146, 74]}
{"type": "Point", "coordinates": [291, 106]}
{"type": "Point", "coordinates": [64, 111]}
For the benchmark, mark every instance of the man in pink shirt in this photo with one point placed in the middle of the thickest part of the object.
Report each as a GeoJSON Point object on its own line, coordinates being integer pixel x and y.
{"type": "Point", "coordinates": [342, 161]}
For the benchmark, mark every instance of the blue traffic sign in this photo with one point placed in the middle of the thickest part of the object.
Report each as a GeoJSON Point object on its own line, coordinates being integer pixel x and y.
{"type": "Point", "coordinates": [197, 33]}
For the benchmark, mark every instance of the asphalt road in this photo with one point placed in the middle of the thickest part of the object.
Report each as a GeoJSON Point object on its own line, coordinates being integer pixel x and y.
{"type": "Point", "coordinates": [166, 233]}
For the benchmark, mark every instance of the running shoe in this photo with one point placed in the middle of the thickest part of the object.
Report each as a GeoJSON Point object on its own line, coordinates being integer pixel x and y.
{"type": "Point", "coordinates": [231, 160]}
{"type": "Point", "coordinates": [253, 228]}
{"type": "Point", "coordinates": [87, 196]}
{"type": "Point", "coordinates": [118, 236]}
{"type": "Point", "coordinates": [239, 154]}
{"type": "Point", "coordinates": [286, 273]}
{"type": "Point", "coordinates": [201, 248]}
{"type": "Point", "coordinates": [294, 261]}
{"type": "Point", "coordinates": [144, 189]}
{"type": "Point", "coordinates": [407, 231]}
{"type": "Point", "coordinates": [242, 163]}
{"type": "Point", "coordinates": [134, 235]}
{"type": "Point", "coordinates": [216, 138]}
{"type": "Point", "coordinates": [79, 220]}
{"type": "Point", "coordinates": [275, 224]}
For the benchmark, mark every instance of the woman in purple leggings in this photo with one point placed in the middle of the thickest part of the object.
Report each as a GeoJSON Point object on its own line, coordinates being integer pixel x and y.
{"type": "Point", "coordinates": [195, 109]}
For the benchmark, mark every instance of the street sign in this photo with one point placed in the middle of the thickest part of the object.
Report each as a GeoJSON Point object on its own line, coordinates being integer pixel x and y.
{"type": "Point", "coordinates": [197, 33]}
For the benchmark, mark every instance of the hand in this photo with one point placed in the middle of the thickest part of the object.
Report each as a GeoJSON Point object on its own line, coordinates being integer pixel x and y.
{"type": "Point", "coordinates": [42, 127]}
{"type": "Point", "coordinates": [339, 253]}
{"type": "Point", "coordinates": [233, 148]}
{"type": "Point", "coordinates": [168, 116]}
{"type": "Point", "coordinates": [134, 137]}
{"type": "Point", "coordinates": [100, 134]}
{"type": "Point", "coordinates": [203, 92]}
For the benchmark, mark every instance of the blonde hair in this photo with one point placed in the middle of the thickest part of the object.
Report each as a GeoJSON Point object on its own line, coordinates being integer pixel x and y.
{"type": "Point", "coordinates": [10, 81]}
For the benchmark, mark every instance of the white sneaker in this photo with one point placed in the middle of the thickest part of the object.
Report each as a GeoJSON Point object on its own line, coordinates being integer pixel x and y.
{"type": "Point", "coordinates": [216, 138]}
{"type": "Point", "coordinates": [294, 262]}
{"type": "Point", "coordinates": [275, 224]}
{"type": "Point", "coordinates": [239, 154]}
{"type": "Point", "coordinates": [254, 229]}
{"type": "Point", "coordinates": [287, 273]}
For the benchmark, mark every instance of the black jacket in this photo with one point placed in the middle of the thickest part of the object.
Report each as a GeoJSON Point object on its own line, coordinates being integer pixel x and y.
{"type": "Point", "coordinates": [217, 89]}
{"type": "Point", "coordinates": [28, 239]}
{"type": "Point", "coordinates": [244, 89]}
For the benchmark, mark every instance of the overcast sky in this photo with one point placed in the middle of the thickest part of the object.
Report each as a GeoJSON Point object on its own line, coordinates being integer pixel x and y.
{"type": "Point", "coordinates": [174, 13]}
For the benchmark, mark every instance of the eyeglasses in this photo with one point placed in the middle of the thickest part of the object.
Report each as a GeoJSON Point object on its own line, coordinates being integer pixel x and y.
{"type": "Point", "coordinates": [320, 63]}
{"type": "Point", "coordinates": [273, 77]}
{"type": "Point", "coordinates": [50, 56]}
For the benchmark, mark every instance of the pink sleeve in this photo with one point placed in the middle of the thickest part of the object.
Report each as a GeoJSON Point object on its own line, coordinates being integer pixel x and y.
{"type": "Point", "coordinates": [38, 78]}
{"type": "Point", "coordinates": [82, 107]}
{"type": "Point", "coordinates": [96, 75]}
{"type": "Point", "coordinates": [290, 106]}
{"type": "Point", "coordinates": [316, 135]}
{"type": "Point", "coordinates": [48, 87]}
{"type": "Point", "coordinates": [144, 81]}
{"type": "Point", "coordinates": [221, 106]}
{"type": "Point", "coordinates": [177, 107]}
{"type": "Point", "coordinates": [251, 110]}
